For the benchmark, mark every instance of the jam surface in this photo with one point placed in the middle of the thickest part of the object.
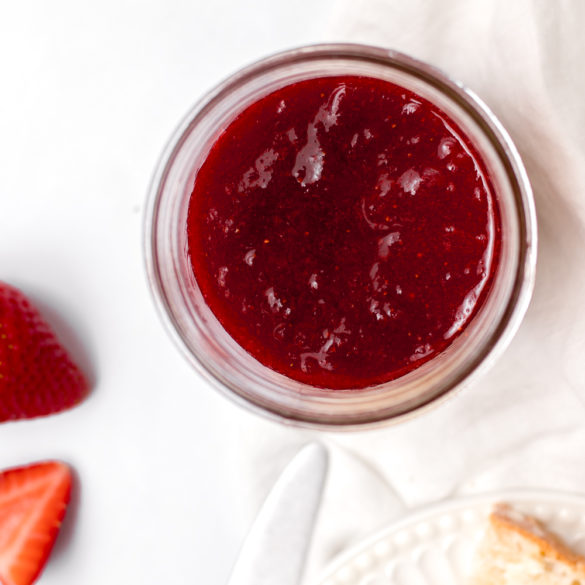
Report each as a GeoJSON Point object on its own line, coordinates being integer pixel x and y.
{"type": "Point", "coordinates": [343, 230]}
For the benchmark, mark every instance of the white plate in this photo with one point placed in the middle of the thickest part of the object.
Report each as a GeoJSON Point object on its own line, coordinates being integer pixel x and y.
{"type": "Point", "coordinates": [435, 546]}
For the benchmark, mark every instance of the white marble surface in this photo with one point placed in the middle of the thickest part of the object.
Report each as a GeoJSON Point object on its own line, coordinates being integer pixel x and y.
{"type": "Point", "coordinates": [170, 474]}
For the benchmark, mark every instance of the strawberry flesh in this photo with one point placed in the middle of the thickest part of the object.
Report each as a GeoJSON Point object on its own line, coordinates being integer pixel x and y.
{"type": "Point", "coordinates": [33, 501]}
{"type": "Point", "coordinates": [37, 376]}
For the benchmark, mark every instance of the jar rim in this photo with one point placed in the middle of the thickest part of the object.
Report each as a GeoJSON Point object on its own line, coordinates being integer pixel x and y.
{"type": "Point", "coordinates": [463, 97]}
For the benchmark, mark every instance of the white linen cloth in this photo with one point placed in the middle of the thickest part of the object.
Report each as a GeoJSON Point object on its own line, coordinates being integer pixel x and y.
{"type": "Point", "coordinates": [523, 424]}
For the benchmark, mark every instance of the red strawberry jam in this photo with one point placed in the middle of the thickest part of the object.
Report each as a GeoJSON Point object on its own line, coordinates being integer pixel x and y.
{"type": "Point", "coordinates": [344, 231]}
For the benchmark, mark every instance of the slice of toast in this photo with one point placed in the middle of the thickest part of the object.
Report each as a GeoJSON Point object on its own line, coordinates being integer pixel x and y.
{"type": "Point", "coordinates": [518, 550]}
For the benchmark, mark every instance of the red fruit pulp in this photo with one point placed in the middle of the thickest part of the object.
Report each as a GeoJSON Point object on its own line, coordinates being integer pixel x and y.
{"type": "Point", "coordinates": [33, 502]}
{"type": "Point", "coordinates": [343, 230]}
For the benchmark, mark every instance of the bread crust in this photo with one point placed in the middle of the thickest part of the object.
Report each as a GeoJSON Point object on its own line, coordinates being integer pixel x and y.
{"type": "Point", "coordinates": [504, 518]}
{"type": "Point", "coordinates": [517, 549]}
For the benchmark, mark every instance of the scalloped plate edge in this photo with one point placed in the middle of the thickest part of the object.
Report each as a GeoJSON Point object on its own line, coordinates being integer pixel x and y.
{"type": "Point", "coordinates": [456, 518]}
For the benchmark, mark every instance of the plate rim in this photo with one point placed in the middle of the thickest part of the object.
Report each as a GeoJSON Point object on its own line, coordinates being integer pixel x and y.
{"type": "Point", "coordinates": [419, 514]}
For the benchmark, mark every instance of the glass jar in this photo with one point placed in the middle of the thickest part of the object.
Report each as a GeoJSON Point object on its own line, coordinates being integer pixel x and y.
{"type": "Point", "coordinates": [212, 351]}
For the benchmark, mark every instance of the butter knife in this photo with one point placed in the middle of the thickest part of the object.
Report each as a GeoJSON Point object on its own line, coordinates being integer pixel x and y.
{"type": "Point", "coordinates": [276, 548]}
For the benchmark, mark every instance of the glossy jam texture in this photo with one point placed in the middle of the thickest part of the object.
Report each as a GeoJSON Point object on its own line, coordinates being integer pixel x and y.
{"type": "Point", "coordinates": [343, 231]}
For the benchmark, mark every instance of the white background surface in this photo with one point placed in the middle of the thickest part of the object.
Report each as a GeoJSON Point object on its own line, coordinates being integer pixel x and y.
{"type": "Point", "coordinates": [169, 473]}
{"type": "Point", "coordinates": [89, 94]}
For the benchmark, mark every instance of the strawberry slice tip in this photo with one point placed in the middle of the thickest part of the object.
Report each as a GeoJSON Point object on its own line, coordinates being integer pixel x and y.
{"type": "Point", "coordinates": [33, 501]}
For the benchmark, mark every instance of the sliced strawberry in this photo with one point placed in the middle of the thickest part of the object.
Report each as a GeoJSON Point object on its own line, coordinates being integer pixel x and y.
{"type": "Point", "coordinates": [37, 376]}
{"type": "Point", "coordinates": [33, 500]}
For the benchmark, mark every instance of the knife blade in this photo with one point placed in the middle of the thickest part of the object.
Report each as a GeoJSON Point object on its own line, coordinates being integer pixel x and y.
{"type": "Point", "coordinates": [277, 545]}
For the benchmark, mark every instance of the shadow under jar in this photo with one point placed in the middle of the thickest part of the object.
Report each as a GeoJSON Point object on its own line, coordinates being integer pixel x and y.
{"type": "Point", "coordinates": [339, 235]}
